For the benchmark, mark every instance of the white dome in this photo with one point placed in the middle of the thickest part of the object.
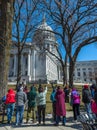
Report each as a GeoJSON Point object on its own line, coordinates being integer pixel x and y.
{"type": "Point", "coordinates": [43, 32]}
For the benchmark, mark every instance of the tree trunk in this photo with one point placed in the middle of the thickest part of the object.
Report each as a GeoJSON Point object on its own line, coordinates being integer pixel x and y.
{"type": "Point", "coordinates": [19, 68]}
{"type": "Point", "coordinates": [6, 11]}
{"type": "Point", "coordinates": [71, 70]}
{"type": "Point", "coordinates": [64, 75]}
{"type": "Point", "coordinates": [64, 66]}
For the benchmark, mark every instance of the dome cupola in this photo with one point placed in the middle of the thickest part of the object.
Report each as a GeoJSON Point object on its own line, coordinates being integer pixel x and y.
{"type": "Point", "coordinates": [43, 32]}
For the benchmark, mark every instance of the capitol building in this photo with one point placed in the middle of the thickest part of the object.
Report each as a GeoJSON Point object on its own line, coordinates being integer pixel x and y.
{"type": "Point", "coordinates": [36, 62]}
{"type": "Point", "coordinates": [39, 65]}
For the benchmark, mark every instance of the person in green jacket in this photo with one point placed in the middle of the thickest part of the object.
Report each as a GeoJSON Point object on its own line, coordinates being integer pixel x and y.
{"type": "Point", "coordinates": [31, 96]}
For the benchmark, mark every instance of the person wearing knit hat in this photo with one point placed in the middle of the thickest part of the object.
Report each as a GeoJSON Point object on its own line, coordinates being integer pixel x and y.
{"type": "Point", "coordinates": [86, 98]}
{"type": "Point", "coordinates": [86, 86]}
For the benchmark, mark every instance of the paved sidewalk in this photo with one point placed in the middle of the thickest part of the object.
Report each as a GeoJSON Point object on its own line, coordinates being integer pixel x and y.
{"type": "Point", "coordinates": [70, 125]}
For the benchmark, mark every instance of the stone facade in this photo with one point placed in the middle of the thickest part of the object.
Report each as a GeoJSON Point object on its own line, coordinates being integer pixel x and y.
{"type": "Point", "coordinates": [85, 71]}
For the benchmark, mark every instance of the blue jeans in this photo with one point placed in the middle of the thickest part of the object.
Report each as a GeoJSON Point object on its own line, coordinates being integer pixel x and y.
{"type": "Point", "coordinates": [88, 109]}
{"type": "Point", "coordinates": [19, 114]}
{"type": "Point", "coordinates": [58, 119]}
{"type": "Point", "coordinates": [10, 110]}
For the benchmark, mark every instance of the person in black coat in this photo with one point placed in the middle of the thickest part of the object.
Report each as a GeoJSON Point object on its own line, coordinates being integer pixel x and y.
{"type": "Point", "coordinates": [86, 98]}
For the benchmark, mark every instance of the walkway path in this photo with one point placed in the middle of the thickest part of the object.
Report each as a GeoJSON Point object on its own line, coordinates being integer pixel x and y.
{"type": "Point", "coordinates": [70, 125]}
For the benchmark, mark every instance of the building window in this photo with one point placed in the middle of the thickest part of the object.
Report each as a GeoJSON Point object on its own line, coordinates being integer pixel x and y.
{"type": "Point", "coordinates": [12, 63]}
{"type": "Point", "coordinates": [95, 69]}
{"type": "Point", "coordinates": [89, 68]}
{"type": "Point", "coordinates": [26, 72]}
{"type": "Point", "coordinates": [84, 69]}
{"type": "Point", "coordinates": [78, 74]}
{"type": "Point", "coordinates": [95, 64]}
{"type": "Point", "coordinates": [90, 73]}
{"type": "Point", "coordinates": [84, 73]}
{"type": "Point", "coordinates": [26, 62]}
{"type": "Point", "coordinates": [84, 79]}
{"type": "Point", "coordinates": [78, 69]}
{"type": "Point", "coordinates": [48, 46]}
{"type": "Point", "coordinates": [95, 74]}
{"type": "Point", "coordinates": [11, 74]}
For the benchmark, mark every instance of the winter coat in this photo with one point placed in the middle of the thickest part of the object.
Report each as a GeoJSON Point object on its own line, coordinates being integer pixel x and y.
{"type": "Point", "coordinates": [41, 98]}
{"type": "Point", "coordinates": [31, 96]}
{"type": "Point", "coordinates": [60, 103]}
{"type": "Point", "coordinates": [75, 97]}
{"type": "Point", "coordinates": [94, 104]}
{"type": "Point", "coordinates": [86, 95]}
{"type": "Point", "coordinates": [21, 98]}
{"type": "Point", "coordinates": [10, 97]}
{"type": "Point", "coordinates": [92, 89]}
{"type": "Point", "coordinates": [94, 107]}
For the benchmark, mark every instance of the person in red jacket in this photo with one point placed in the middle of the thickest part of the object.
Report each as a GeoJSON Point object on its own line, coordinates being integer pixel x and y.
{"type": "Point", "coordinates": [10, 104]}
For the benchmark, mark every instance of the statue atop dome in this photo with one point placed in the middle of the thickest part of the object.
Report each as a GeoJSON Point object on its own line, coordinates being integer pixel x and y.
{"type": "Point", "coordinates": [44, 19]}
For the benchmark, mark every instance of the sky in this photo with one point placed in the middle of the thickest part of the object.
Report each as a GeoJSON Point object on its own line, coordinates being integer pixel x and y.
{"type": "Point", "coordinates": [88, 53]}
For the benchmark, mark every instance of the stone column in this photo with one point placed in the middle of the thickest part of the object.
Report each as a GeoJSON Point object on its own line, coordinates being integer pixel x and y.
{"type": "Point", "coordinates": [29, 64]}
{"type": "Point", "coordinates": [34, 65]}
{"type": "Point", "coordinates": [59, 73]}
{"type": "Point", "coordinates": [15, 63]}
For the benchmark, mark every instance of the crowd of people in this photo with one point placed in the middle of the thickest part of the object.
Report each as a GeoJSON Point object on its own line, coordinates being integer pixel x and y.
{"type": "Point", "coordinates": [35, 101]}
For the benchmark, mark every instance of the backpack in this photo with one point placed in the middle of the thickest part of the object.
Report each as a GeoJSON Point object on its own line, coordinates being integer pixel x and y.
{"type": "Point", "coordinates": [4, 98]}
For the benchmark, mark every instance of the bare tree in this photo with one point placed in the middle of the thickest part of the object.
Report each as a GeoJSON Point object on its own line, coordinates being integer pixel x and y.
{"type": "Point", "coordinates": [76, 24]}
{"type": "Point", "coordinates": [26, 14]}
{"type": "Point", "coordinates": [6, 15]}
